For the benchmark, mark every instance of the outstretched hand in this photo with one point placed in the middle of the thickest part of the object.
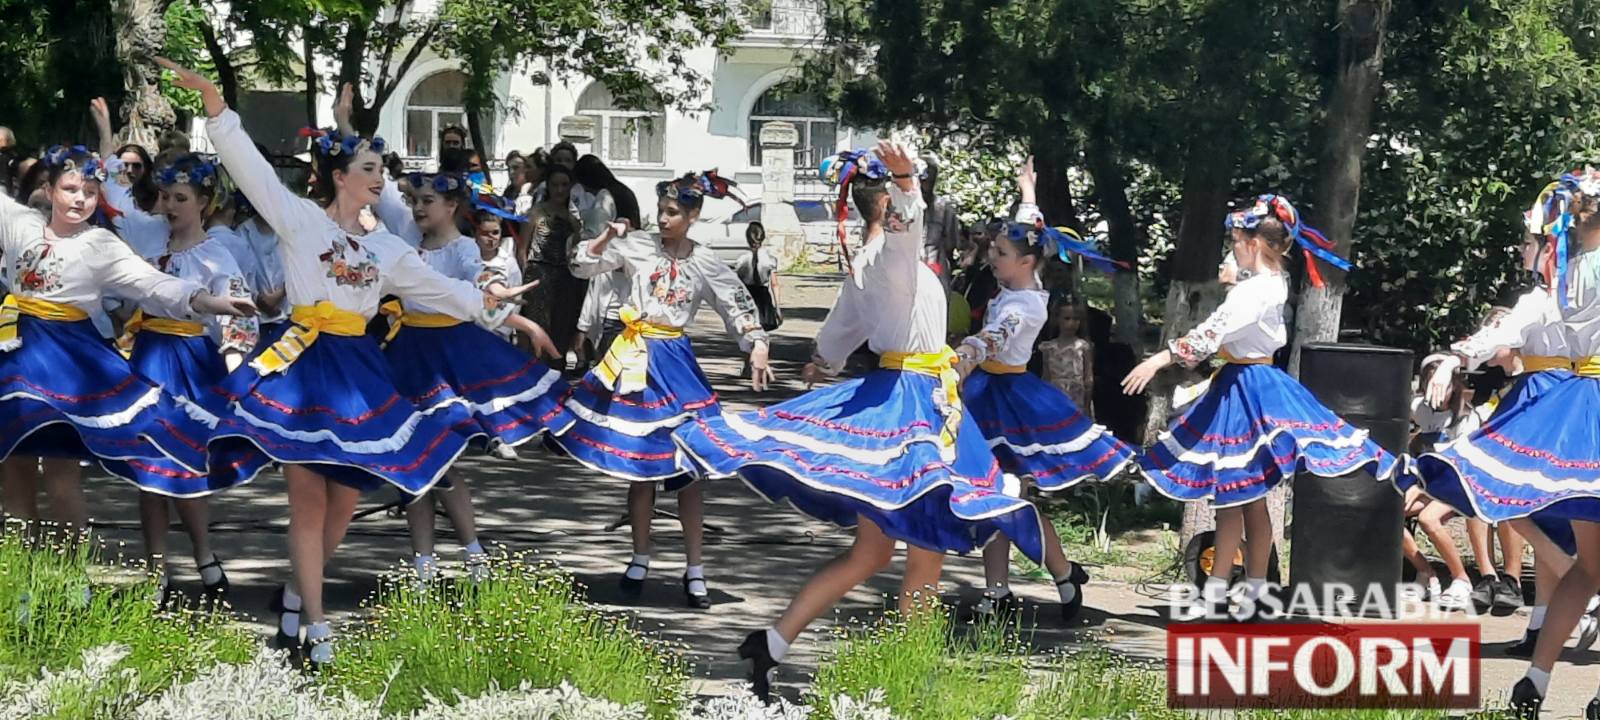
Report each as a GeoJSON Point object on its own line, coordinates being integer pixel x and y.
{"type": "Point", "coordinates": [503, 293]}
{"type": "Point", "coordinates": [209, 304]}
{"type": "Point", "coordinates": [191, 80]}
{"type": "Point", "coordinates": [1137, 380]}
{"type": "Point", "coordinates": [101, 112]}
{"type": "Point", "coordinates": [1027, 181]}
{"type": "Point", "coordinates": [343, 109]}
{"type": "Point", "coordinates": [897, 158]}
{"type": "Point", "coordinates": [760, 368]}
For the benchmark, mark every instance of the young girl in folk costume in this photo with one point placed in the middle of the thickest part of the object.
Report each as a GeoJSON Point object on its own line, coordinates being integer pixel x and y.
{"type": "Point", "coordinates": [1534, 327]}
{"type": "Point", "coordinates": [1035, 430]}
{"type": "Point", "coordinates": [895, 455]}
{"type": "Point", "coordinates": [1538, 458]}
{"type": "Point", "coordinates": [1254, 426]}
{"type": "Point", "coordinates": [321, 399]}
{"type": "Point", "coordinates": [185, 357]}
{"type": "Point", "coordinates": [436, 358]}
{"type": "Point", "coordinates": [65, 394]}
{"type": "Point", "coordinates": [648, 383]}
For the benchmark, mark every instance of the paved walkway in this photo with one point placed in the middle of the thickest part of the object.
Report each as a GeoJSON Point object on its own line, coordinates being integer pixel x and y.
{"type": "Point", "coordinates": [757, 554]}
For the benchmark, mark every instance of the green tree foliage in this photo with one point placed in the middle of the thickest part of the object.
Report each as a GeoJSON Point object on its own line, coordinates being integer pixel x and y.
{"type": "Point", "coordinates": [57, 55]}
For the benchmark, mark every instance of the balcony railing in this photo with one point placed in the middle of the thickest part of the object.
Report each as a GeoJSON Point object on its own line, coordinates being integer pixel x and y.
{"type": "Point", "coordinates": [783, 20]}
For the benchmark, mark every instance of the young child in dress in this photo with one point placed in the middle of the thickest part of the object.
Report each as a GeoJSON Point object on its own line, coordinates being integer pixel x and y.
{"type": "Point", "coordinates": [1035, 430]}
{"type": "Point", "coordinates": [649, 383]}
{"type": "Point", "coordinates": [1069, 358]}
{"type": "Point", "coordinates": [893, 455]}
{"type": "Point", "coordinates": [757, 270]}
{"type": "Point", "coordinates": [1255, 426]}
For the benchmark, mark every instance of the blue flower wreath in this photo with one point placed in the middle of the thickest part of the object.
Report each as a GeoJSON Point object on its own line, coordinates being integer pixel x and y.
{"type": "Point", "coordinates": [332, 142]}
{"type": "Point", "coordinates": [442, 182]}
{"type": "Point", "coordinates": [199, 174]}
{"type": "Point", "coordinates": [77, 158]}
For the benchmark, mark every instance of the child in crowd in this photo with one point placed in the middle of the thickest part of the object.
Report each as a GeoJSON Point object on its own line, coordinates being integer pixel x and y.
{"type": "Point", "coordinates": [1068, 360]}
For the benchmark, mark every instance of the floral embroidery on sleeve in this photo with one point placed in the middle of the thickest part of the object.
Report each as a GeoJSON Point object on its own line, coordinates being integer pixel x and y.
{"type": "Point", "coordinates": [994, 337]}
{"type": "Point", "coordinates": [1203, 341]}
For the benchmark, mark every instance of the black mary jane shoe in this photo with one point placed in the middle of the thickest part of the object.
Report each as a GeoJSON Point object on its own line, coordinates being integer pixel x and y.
{"type": "Point", "coordinates": [1525, 700]}
{"type": "Point", "coordinates": [219, 589]}
{"type": "Point", "coordinates": [1078, 577]}
{"type": "Point", "coordinates": [762, 665]}
{"type": "Point", "coordinates": [308, 659]}
{"type": "Point", "coordinates": [1592, 711]}
{"type": "Point", "coordinates": [696, 602]}
{"type": "Point", "coordinates": [997, 607]}
{"type": "Point", "coordinates": [283, 640]}
{"type": "Point", "coordinates": [632, 589]}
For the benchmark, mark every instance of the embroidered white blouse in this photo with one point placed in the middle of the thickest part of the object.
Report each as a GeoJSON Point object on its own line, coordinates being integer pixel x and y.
{"type": "Point", "coordinates": [81, 269]}
{"type": "Point", "coordinates": [1015, 317]}
{"type": "Point", "coordinates": [1533, 326]}
{"type": "Point", "coordinates": [667, 290]}
{"type": "Point", "coordinates": [1248, 326]}
{"type": "Point", "coordinates": [322, 261]}
{"type": "Point", "coordinates": [893, 302]}
{"type": "Point", "coordinates": [265, 267]}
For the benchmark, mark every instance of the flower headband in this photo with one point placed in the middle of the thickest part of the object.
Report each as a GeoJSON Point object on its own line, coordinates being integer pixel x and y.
{"type": "Point", "coordinates": [442, 182]}
{"type": "Point", "coordinates": [334, 143]}
{"type": "Point", "coordinates": [1311, 241]}
{"type": "Point", "coordinates": [842, 169]}
{"type": "Point", "coordinates": [1063, 242]}
{"type": "Point", "coordinates": [200, 174]}
{"type": "Point", "coordinates": [77, 158]}
{"type": "Point", "coordinates": [692, 189]}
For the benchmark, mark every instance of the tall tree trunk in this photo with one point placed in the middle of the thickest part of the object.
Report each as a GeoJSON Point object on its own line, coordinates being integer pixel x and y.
{"type": "Point", "coordinates": [141, 34]}
{"type": "Point", "coordinates": [1194, 293]}
{"type": "Point", "coordinates": [351, 56]}
{"type": "Point", "coordinates": [1361, 26]}
{"type": "Point", "coordinates": [308, 56]}
{"type": "Point", "coordinates": [1052, 159]}
{"type": "Point", "coordinates": [1111, 190]}
{"type": "Point", "coordinates": [227, 74]}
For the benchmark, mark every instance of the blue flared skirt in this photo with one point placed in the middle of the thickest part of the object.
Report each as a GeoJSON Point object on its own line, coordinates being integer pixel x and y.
{"type": "Point", "coordinates": [67, 393]}
{"type": "Point", "coordinates": [1537, 458]}
{"type": "Point", "coordinates": [188, 368]}
{"type": "Point", "coordinates": [336, 410]}
{"type": "Point", "coordinates": [1253, 428]}
{"type": "Point", "coordinates": [1036, 431]}
{"type": "Point", "coordinates": [630, 436]}
{"type": "Point", "coordinates": [870, 448]}
{"type": "Point", "coordinates": [512, 396]}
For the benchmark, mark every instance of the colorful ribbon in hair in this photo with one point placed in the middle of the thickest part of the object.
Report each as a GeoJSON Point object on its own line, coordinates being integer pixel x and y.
{"type": "Point", "coordinates": [1311, 241]}
{"type": "Point", "coordinates": [1558, 199]}
{"type": "Point", "coordinates": [692, 189]}
{"type": "Point", "coordinates": [840, 170]}
{"type": "Point", "coordinates": [1063, 242]}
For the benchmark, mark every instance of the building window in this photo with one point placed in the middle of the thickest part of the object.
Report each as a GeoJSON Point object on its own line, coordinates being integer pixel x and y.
{"type": "Point", "coordinates": [818, 128]}
{"type": "Point", "coordinates": [625, 137]}
{"type": "Point", "coordinates": [433, 105]}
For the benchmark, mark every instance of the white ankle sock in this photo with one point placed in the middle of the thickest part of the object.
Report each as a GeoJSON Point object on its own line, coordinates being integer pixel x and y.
{"type": "Point", "coordinates": [1536, 620]}
{"type": "Point", "coordinates": [777, 647]}
{"type": "Point", "coordinates": [1215, 590]}
{"type": "Point", "coordinates": [1066, 590]}
{"type": "Point", "coordinates": [289, 621]}
{"type": "Point", "coordinates": [427, 566]}
{"type": "Point", "coordinates": [474, 548]}
{"type": "Point", "coordinates": [1254, 587]}
{"type": "Point", "coordinates": [320, 652]}
{"type": "Point", "coordinates": [210, 571]}
{"type": "Point", "coordinates": [697, 579]}
{"type": "Point", "coordinates": [1540, 679]}
{"type": "Point", "coordinates": [638, 567]}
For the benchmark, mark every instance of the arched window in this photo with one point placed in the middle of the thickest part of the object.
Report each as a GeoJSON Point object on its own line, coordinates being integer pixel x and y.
{"type": "Point", "coordinates": [435, 104]}
{"type": "Point", "coordinates": [625, 137]}
{"type": "Point", "coordinates": [818, 128]}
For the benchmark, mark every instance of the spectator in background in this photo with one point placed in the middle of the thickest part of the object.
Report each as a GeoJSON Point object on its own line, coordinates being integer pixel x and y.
{"type": "Point", "coordinates": [515, 164]}
{"type": "Point", "coordinates": [756, 269]}
{"type": "Point", "coordinates": [452, 137]}
{"type": "Point", "coordinates": [1068, 360]}
{"type": "Point", "coordinates": [553, 231]}
{"type": "Point", "coordinates": [141, 172]}
{"type": "Point", "coordinates": [565, 154]}
{"type": "Point", "coordinates": [942, 230]}
{"type": "Point", "coordinates": [599, 322]}
{"type": "Point", "coordinates": [8, 139]}
{"type": "Point", "coordinates": [172, 141]}
{"type": "Point", "coordinates": [532, 178]}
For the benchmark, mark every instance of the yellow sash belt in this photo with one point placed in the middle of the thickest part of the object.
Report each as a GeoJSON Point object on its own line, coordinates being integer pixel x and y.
{"type": "Point", "coordinates": [399, 318]}
{"type": "Point", "coordinates": [13, 307]}
{"type": "Point", "coordinates": [624, 368]}
{"type": "Point", "coordinates": [941, 365]}
{"type": "Point", "coordinates": [1231, 360]}
{"type": "Point", "coordinates": [310, 321]}
{"type": "Point", "coordinates": [995, 367]}
{"type": "Point", "coordinates": [1542, 363]}
{"type": "Point", "coordinates": [1588, 367]}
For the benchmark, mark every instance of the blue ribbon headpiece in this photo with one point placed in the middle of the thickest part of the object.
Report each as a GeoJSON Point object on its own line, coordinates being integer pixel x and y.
{"type": "Point", "coordinates": [1312, 242]}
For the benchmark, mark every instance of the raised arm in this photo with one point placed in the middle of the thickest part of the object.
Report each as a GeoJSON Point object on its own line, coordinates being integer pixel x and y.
{"type": "Point", "coordinates": [396, 215]}
{"type": "Point", "coordinates": [288, 213]}
{"type": "Point", "coordinates": [608, 252]}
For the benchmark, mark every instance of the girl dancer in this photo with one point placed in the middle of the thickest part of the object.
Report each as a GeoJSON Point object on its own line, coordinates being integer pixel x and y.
{"type": "Point", "coordinates": [1035, 430]}
{"type": "Point", "coordinates": [893, 455]}
{"type": "Point", "coordinates": [65, 394]}
{"type": "Point", "coordinates": [1255, 425]}
{"type": "Point", "coordinates": [1538, 458]}
{"type": "Point", "coordinates": [513, 397]}
{"type": "Point", "coordinates": [321, 399]}
{"type": "Point", "coordinates": [648, 382]}
{"type": "Point", "coordinates": [1534, 327]}
{"type": "Point", "coordinates": [186, 358]}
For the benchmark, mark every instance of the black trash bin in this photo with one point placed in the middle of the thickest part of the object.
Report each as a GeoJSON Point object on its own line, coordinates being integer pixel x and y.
{"type": "Point", "coordinates": [1347, 529]}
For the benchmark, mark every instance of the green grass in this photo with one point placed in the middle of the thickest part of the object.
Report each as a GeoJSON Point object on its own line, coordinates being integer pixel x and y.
{"type": "Point", "coordinates": [526, 623]}
{"type": "Point", "coordinates": [47, 620]}
{"type": "Point", "coordinates": [927, 668]}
